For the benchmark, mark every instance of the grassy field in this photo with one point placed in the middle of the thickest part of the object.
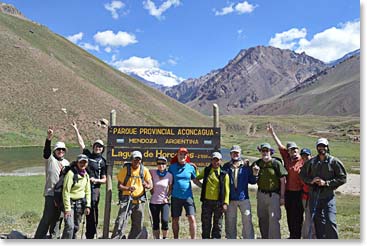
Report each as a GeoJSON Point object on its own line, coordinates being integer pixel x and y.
{"type": "Point", "coordinates": [21, 203]}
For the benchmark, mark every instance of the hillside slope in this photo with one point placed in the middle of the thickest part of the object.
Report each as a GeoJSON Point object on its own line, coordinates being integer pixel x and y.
{"type": "Point", "coordinates": [335, 91]}
{"type": "Point", "coordinates": [47, 80]}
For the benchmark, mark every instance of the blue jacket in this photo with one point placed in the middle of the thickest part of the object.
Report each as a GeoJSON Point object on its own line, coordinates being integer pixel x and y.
{"type": "Point", "coordinates": [244, 177]}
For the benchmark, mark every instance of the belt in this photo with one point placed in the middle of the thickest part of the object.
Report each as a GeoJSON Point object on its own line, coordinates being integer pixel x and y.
{"type": "Point", "coordinates": [268, 191]}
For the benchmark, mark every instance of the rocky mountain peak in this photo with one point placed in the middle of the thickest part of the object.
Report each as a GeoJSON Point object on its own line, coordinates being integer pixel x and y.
{"type": "Point", "coordinates": [11, 10]}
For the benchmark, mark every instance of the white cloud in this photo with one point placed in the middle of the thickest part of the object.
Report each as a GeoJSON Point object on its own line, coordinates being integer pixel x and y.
{"type": "Point", "coordinates": [286, 40]}
{"type": "Point", "coordinates": [157, 12]}
{"type": "Point", "coordinates": [108, 49]}
{"type": "Point", "coordinates": [239, 8]}
{"type": "Point", "coordinates": [113, 7]}
{"type": "Point", "coordinates": [147, 68]}
{"type": "Point", "coordinates": [244, 7]}
{"type": "Point", "coordinates": [108, 38]}
{"type": "Point", "coordinates": [88, 46]}
{"type": "Point", "coordinates": [75, 38]}
{"type": "Point", "coordinates": [328, 45]}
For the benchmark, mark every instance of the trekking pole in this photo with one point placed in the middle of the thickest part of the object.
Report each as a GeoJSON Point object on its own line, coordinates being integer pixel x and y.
{"type": "Point", "coordinates": [128, 206]}
{"type": "Point", "coordinates": [83, 224]}
{"type": "Point", "coordinates": [313, 212]}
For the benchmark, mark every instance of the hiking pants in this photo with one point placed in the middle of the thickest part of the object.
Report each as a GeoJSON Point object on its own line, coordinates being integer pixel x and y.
{"type": "Point", "coordinates": [136, 211]}
{"type": "Point", "coordinates": [325, 218]}
{"type": "Point", "coordinates": [294, 209]}
{"type": "Point", "coordinates": [72, 223]}
{"type": "Point", "coordinates": [246, 216]}
{"type": "Point", "coordinates": [160, 213]}
{"type": "Point", "coordinates": [211, 211]}
{"type": "Point", "coordinates": [269, 214]}
{"type": "Point", "coordinates": [92, 218]}
{"type": "Point", "coordinates": [307, 222]}
{"type": "Point", "coordinates": [50, 220]}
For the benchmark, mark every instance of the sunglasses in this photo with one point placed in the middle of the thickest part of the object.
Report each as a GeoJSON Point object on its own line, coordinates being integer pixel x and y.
{"type": "Point", "coordinates": [61, 149]}
{"type": "Point", "coordinates": [265, 150]}
{"type": "Point", "coordinates": [137, 159]}
{"type": "Point", "coordinates": [161, 163]}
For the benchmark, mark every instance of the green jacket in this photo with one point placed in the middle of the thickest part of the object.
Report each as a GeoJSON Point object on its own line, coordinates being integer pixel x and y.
{"type": "Point", "coordinates": [331, 170]}
{"type": "Point", "coordinates": [80, 190]}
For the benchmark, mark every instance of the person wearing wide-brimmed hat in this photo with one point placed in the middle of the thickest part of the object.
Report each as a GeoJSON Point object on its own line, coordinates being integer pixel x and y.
{"type": "Point", "coordinates": [97, 173]}
{"type": "Point", "coordinates": [55, 161]}
{"type": "Point", "coordinates": [270, 191]}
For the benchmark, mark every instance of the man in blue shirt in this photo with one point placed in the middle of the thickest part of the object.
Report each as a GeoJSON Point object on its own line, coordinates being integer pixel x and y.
{"type": "Point", "coordinates": [183, 172]}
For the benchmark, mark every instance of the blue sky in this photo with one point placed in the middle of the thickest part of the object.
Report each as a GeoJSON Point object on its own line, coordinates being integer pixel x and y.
{"type": "Point", "coordinates": [167, 41]}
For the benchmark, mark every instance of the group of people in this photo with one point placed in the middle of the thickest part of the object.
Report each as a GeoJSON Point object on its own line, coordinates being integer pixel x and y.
{"type": "Point", "coordinates": [80, 189]}
{"type": "Point", "coordinates": [303, 183]}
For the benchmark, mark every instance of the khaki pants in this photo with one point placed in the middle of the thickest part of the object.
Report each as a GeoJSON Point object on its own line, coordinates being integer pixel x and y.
{"type": "Point", "coordinates": [246, 216]}
{"type": "Point", "coordinates": [269, 214]}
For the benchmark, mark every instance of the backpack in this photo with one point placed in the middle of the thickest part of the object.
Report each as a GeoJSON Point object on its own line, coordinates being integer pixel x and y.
{"type": "Point", "coordinates": [127, 177]}
{"type": "Point", "coordinates": [60, 184]}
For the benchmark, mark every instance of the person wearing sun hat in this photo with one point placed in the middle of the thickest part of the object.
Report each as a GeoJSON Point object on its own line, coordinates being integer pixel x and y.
{"type": "Point", "coordinates": [270, 191]}
{"type": "Point", "coordinates": [55, 161]}
{"type": "Point", "coordinates": [159, 203]}
{"type": "Point", "coordinates": [183, 171]}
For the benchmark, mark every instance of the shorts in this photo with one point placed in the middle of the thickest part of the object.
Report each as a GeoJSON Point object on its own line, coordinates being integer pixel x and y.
{"type": "Point", "coordinates": [177, 204]}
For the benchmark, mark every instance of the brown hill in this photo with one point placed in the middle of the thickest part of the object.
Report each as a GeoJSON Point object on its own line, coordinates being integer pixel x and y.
{"type": "Point", "coordinates": [335, 91]}
{"type": "Point", "coordinates": [255, 74]}
{"type": "Point", "coordinates": [47, 80]}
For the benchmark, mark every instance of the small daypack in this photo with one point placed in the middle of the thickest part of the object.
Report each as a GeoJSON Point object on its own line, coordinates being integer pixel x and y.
{"type": "Point", "coordinates": [60, 184]}
{"type": "Point", "coordinates": [128, 175]}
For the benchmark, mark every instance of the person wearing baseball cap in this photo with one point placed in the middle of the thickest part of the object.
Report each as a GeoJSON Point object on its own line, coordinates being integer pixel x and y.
{"type": "Point", "coordinates": [76, 196]}
{"type": "Point", "coordinates": [270, 191]}
{"type": "Point", "coordinates": [294, 185]}
{"type": "Point", "coordinates": [183, 171]}
{"type": "Point", "coordinates": [240, 176]}
{"type": "Point", "coordinates": [214, 197]}
{"type": "Point", "coordinates": [159, 202]}
{"type": "Point", "coordinates": [324, 173]}
{"type": "Point", "coordinates": [97, 170]}
{"type": "Point", "coordinates": [55, 162]}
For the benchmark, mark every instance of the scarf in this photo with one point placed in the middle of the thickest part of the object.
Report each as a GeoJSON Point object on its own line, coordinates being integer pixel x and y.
{"type": "Point", "coordinates": [161, 174]}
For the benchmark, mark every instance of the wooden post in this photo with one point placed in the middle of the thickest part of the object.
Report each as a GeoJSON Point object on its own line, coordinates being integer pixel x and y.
{"type": "Point", "coordinates": [215, 115]}
{"type": "Point", "coordinates": [108, 200]}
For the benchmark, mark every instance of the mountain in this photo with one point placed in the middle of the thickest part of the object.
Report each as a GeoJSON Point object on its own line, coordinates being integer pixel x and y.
{"type": "Point", "coordinates": [350, 54]}
{"type": "Point", "coordinates": [47, 80]}
{"type": "Point", "coordinates": [255, 74]}
{"type": "Point", "coordinates": [333, 92]}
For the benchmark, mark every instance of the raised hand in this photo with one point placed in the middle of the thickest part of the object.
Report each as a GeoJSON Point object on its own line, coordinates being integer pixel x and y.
{"type": "Point", "coordinates": [269, 128]}
{"type": "Point", "coordinates": [50, 132]}
{"type": "Point", "coordinates": [74, 125]}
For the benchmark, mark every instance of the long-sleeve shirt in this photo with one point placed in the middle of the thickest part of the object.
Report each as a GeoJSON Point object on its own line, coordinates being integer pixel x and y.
{"type": "Point", "coordinates": [80, 189]}
{"type": "Point", "coordinates": [212, 185]}
{"type": "Point", "coordinates": [53, 167]}
{"type": "Point", "coordinates": [243, 175]}
{"type": "Point", "coordinates": [331, 170]}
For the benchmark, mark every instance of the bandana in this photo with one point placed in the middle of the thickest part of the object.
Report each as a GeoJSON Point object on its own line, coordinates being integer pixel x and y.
{"type": "Point", "coordinates": [162, 174]}
{"type": "Point", "coordinates": [82, 172]}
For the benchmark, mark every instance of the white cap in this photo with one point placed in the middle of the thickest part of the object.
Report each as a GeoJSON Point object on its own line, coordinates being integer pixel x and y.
{"type": "Point", "coordinates": [99, 141]}
{"type": "Point", "coordinates": [322, 141]}
{"type": "Point", "coordinates": [136, 154]}
{"type": "Point", "coordinates": [235, 148]}
{"type": "Point", "coordinates": [217, 155]}
{"type": "Point", "coordinates": [82, 157]}
{"type": "Point", "coordinates": [59, 145]}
